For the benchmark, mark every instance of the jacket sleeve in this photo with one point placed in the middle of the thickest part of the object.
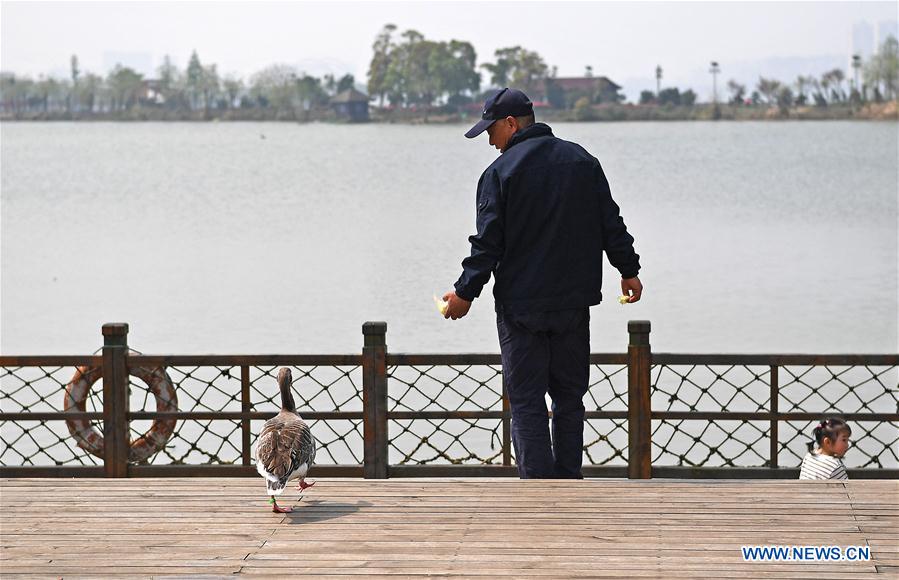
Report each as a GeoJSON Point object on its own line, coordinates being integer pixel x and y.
{"type": "Point", "coordinates": [488, 244]}
{"type": "Point", "coordinates": [617, 243]}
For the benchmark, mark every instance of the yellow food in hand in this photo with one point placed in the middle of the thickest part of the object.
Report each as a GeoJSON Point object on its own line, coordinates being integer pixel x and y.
{"type": "Point", "coordinates": [624, 299]}
{"type": "Point", "coordinates": [442, 305]}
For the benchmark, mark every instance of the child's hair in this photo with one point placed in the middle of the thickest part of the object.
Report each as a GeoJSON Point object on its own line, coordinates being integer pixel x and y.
{"type": "Point", "coordinates": [830, 428]}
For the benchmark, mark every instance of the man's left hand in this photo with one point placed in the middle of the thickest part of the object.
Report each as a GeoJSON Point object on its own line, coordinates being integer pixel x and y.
{"type": "Point", "coordinates": [456, 307]}
{"type": "Point", "coordinates": [632, 288]}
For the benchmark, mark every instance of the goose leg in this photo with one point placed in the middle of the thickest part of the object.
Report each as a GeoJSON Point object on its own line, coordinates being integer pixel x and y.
{"type": "Point", "coordinates": [278, 509]}
{"type": "Point", "coordinates": [303, 485]}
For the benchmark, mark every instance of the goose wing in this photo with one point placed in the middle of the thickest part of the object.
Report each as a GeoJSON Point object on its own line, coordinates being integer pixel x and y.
{"type": "Point", "coordinates": [285, 445]}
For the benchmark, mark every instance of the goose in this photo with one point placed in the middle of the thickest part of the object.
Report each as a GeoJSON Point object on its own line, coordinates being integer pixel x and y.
{"type": "Point", "coordinates": [285, 448]}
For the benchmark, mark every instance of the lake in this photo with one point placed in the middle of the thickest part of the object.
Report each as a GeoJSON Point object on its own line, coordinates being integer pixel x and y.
{"type": "Point", "coordinates": [284, 238]}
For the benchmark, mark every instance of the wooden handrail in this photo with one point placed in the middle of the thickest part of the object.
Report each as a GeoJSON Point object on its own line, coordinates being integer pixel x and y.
{"type": "Point", "coordinates": [378, 366]}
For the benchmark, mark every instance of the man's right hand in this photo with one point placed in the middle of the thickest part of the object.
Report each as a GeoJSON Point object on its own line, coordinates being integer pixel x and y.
{"type": "Point", "coordinates": [632, 284]}
{"type": "Point", "coordinates": [455, 307]}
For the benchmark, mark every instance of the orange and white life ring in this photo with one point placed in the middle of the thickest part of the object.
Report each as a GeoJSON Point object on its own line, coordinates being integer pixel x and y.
{"type": "Point", "coordinates": [90, 438]}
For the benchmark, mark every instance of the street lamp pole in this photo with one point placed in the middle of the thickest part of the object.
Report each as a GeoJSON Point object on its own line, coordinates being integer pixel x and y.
{"type": "Point", "coordinates": [715, 69]}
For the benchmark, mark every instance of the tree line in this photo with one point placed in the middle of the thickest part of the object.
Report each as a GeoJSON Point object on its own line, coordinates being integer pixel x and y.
{"type": "Point", "coordinates": [197, 87]}
{"type": "Point", "coordinates": [406, 70]}
{"type": "Point", "coordinates": [874, 81]}
{"type": "Point", "coordinates": [409, 71]}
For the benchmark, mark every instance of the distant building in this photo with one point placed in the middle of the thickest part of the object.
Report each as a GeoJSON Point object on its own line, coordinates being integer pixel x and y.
{"type": "Point", "coordinates": [151, 92]}
{"type": "Point", "coordinates": [886, 29]}
{"type": "Point", "coordinates": [564, 92]}
{"type": "Point", "coordinates": [351, 105]}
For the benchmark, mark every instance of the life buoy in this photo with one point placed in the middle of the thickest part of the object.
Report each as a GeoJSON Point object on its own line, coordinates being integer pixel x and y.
{"type": "Point", "coordinates": [90, 438]}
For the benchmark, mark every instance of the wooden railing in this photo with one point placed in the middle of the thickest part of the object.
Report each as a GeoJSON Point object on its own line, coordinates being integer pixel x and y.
{"type": "Point", "coordinates": [378, 369]}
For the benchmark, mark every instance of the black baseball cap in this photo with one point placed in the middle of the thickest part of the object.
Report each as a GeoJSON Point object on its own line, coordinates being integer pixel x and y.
{"type": "Point", "coordinates": [503, 103]}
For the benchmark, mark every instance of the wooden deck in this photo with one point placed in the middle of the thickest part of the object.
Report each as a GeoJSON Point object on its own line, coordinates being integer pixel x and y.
{"type": "Point", "coordinates": [442, 527]}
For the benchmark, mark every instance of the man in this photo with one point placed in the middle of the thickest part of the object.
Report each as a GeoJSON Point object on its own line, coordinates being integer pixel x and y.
{"type": "Point", "coordinates": [544, 217]}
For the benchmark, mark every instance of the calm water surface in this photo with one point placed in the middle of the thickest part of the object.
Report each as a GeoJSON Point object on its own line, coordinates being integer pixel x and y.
{"type": "Point", "coordinates": [284, 238]}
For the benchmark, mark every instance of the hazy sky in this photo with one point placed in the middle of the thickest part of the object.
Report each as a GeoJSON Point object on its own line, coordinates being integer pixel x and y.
{"type": "Point", "coordinates": [624, 41]}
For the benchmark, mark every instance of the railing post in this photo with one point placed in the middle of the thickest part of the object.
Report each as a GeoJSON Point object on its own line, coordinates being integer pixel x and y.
{"type": "Point", "coordinates": [374, 399]}
{"type": "Point", "coordinates": [115, 399]}
{"type": "Point", "coordinates": [774, 436]}
{"type": "Point", "coordinates": [245, 407]}
{"type": "Point", "coordinates": [639, 405]}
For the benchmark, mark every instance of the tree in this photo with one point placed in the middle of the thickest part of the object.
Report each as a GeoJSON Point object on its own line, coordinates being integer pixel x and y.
{"type": "Point", "coordinates": [818, 92]}
{"type": "Point", "coordinates": [768, 88]}
{"type": "Point", "coordinates": [73, 100]}
{"type": "Point", "coordinates": [330, 84]}
{"type": "Point", "coordinates": [458, 70]}
{"type": "Point", "coordinates": [834, 80]}
{"type": "Point", "coordinates": [404, 79]}
{"type": "Point", "coordinates": [882, 70]}
{"type": "Point", "coordinates": [169, 80]}
{"type": "Point", "coordinates": [784, 100]}
{"type": "Point", "coordinates": [232, 86]}
{"type": "Point", "coordinates": [8, 91]}
{"type": "Point", "coordinates": [194, 78]}
{"type": "Point", "coordinates": [518, 67]}
{"type": "Point", "coordinates": [688, 98]}
{"type": "Point", "coordinates": [310, 92]}
{"type": "Point", "coordinates": [408, 73]}
{"type": "Point", "coordinates": [53, 93]}
{"type": "Point", "coordinates": [802, 83]}
{"type": "Point", "coordinates": [417, 71]}
{"type": "Point", "coordinates": [737, 92]}
{"type": "Point", "coordinates": [275, 87]}
{"type": "Point", "coordinates": [647, 98]}
{"type": "Point", "coordinates": [125, 84]}
{"type": "Point", "coordinates": [889, 66]}
{"type": "Point", "coordinates": [347, 81]}
{"type": "Point", "coordinates": [583, 110]}
{"type": "Point", "coordinates": [209, 85]}
{"type": "Point", "coordinates": [670, 97]}
{"type": "Point", "coordinates": [823, 89]}
{"type": "Point", "coordinates": [380, 62]}
{"type": "Point", "coordinates": [16, 92]}
{"type": "Point", "coordinates": [88, 90]}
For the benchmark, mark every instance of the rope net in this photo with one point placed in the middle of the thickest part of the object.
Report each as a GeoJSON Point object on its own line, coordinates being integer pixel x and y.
{"type": "Point", "coordinates": [31, 443]}
{"type": "Point", "coordinates": [829, 390]}
{"type": "Point", "coordinates": [479, 441]}
{"type": "Point", "coordinates": [825, 390]}
{"type": "Point", "coordinates": [218, 389]}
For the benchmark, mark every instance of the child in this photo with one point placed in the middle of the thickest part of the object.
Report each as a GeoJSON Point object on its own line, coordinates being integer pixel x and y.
{"type": "Point", "coordinates": [825, 462]}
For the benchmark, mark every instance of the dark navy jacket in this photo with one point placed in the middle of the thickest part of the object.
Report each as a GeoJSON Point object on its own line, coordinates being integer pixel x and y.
{"type": "Point", "coordinates": [545, 216]}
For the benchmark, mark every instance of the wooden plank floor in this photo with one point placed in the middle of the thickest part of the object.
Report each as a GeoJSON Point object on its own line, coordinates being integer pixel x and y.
{"type": "Point", "coordinates": [441, 527]}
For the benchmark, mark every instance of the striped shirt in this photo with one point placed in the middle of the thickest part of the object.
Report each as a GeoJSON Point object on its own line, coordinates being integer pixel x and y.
{"type": "Point", "coordinates": [820, 466]}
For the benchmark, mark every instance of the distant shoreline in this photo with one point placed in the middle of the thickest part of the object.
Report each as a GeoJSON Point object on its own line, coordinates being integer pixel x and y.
{"type": "Point", "coordinates": [600, 113]}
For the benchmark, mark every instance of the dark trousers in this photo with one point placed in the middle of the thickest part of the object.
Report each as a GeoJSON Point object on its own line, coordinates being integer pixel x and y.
{"type": "Point", "coordinates": [546, 352]}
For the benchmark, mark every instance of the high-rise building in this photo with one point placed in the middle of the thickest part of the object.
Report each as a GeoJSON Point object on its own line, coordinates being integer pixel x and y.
{"type": "Point", "coordinates": [862, 40]}
{"type": "Point", "coordinates": [885, 29]}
